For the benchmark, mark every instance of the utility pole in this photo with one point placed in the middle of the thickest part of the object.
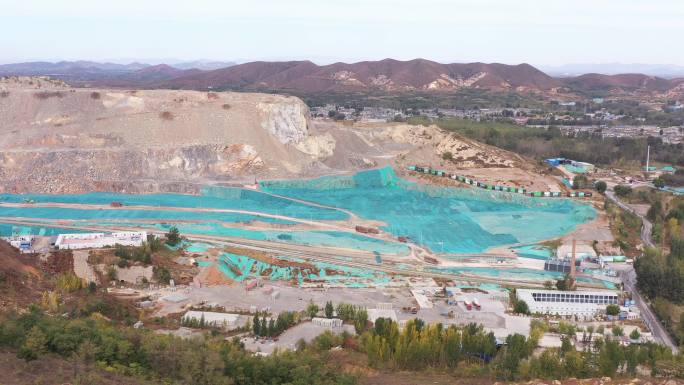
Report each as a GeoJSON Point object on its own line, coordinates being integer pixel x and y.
{"type": "Point", "coordinates": [648, 157]}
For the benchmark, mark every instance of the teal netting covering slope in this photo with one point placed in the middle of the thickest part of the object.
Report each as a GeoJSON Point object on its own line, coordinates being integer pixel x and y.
{"type": "Point", "coordinates": [452, 220]}
{"type": "Point", "coordinates": [240, 268]}
{"type": "Point", "coordinates": [7, 230]}
{"type": "Point", "coordinates": [129, 214]}
{"type": "Point", "coordinates": [534, 252]}
{"type": "Point", "coordinates": [211, 197]}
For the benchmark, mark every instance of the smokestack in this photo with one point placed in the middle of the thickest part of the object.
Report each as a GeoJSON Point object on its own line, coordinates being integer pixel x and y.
{"type": "Point", "coordinates": [572, 264]}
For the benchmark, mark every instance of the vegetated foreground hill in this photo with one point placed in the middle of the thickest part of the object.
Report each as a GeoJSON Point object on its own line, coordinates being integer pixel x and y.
{"type": "Point", "coordinates": [57, 139]}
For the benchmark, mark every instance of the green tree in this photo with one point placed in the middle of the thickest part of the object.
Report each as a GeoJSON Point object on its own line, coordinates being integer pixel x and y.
{"type": "Point", "coordinates": [659, 183]}
{"type": "Point", "coordinates": [601, 186]}
{"type": "Point", "coordinates": [635, 334]}
{"type": "Point", "coordinates": [612, 309]}
{"type": "Point", "coordinates": [579, 181]}
{"type": "Point", "coordinates": [361, 321]}
{"type": "Point", "coordinates": [618, 331]}
{"type": "Point", "coordinates": [622, 190]}
{"type": "Point", "coordinates": [655, 211]}
{"type": "Point", "coordinates": [173, 237]}
{"type": "Point", "coordinates": [521, 307]}
{"type": "Point", "coordinates": [256, 325]}
{"type": "Point", "coordinates": [312, 309]}
{"type": "Point", "coordinates": [163, 274]}
{"type": "Point", "coordinates": [329, 309]}
{"type": "Point", "coordinates": [34, 346]}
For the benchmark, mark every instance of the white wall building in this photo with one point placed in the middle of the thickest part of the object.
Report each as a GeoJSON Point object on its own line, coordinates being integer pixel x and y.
{"type": "Point", "coordinates": [226, 321]}
{"type": "Point", "coordinates": [97, 240]}
{"type": "Point", "coordinates": [565, 303]}
{"type": "Point", "coordinates": [327, 322]}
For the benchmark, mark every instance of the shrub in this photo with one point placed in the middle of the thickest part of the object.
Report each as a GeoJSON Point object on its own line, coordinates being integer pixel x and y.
{"type": "Point", "coordinates": [95, 95]}
{"type": "Point", "coordinates": [69, 282]}
{"type": "Point", "coordinates": [166, 115]}
{"type": "Point", "coordinates": [622, 190]}
{"type": "Point", "coordinates": [447, 155]}
{"type": "Point", "coordinates": [226, 106]}
{"type": "Point", "coordinates": [48, 94]}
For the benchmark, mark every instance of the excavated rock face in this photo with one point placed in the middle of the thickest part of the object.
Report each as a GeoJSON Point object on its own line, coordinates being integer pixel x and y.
{"type": "Point", "coordinates": [286, 121]}
{"type": "Point", "coordinates": [55, 139]}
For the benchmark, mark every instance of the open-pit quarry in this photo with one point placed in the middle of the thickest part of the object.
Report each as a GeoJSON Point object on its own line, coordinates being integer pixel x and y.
{"type": "Point", "coordinates": [259, 190]}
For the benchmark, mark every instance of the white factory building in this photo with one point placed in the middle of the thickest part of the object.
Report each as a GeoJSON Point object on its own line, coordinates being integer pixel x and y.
{"type": "Point", "coordinates": [97, 240]}
{"type": "Point", "coordinates": [226, 321]}
{"type": "Point", "coordinates": [567, 303]}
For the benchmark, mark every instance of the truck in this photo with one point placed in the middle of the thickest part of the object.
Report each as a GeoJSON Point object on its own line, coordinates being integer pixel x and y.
{"type": "Point", "coordinates": [477, 305]}
{"type": "Point", "coordinates": [468, 305]}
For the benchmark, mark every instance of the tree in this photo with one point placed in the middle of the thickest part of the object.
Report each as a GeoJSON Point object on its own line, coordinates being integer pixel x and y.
{"type": "Point", "coordinates": [655, 211]}
{"type": "Point", "coordinates": [659, 182]}
{"type": "Point", "coordinates": [618, 331]}
{"type": "Point", "coordinates": [601, 186]}
{"type": "Point", "coordinates": [612, 309]}
{"type": "Point", "coordinates": [312, 309]}
{"type": "Point", "coordinates": [361, 321]}
{"type": "Point", "coordinates": [173, 237]}
{"type": "Point", "coordinates": [163, 274]}
{"type": "Point", "coordinates": [256, 325]}
{"type": "Point", "coordinates": [34, 345]}
{"type": "Point", "coordinates": [521, 307]}
{"type": "Point", "coordinates": [548, 285]}
{"type": "Point", "coordinates": [579, 181]}
{"type": "Point", "coordinates": [329, 310]}
{"type": "Point", "coordinates": [565, 283]}
{"type": "Point", "coordinates": [447, 155]}
{"type": "Point", "coordinates": [622, 190]}
{"type": "Point", "coordinates": [635, 334]}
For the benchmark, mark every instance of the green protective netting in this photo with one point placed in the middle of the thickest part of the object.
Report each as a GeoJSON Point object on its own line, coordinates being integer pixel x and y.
{"type": "Point", "coordinates": [534, 252]}
{"type": "Point", "coordinates": [575, 169]}
{"type": "Point", "coordinates": [450, 220]}
{"type": "Point", "coordinates": [211, 197]}
{"type": "Point", "coordinates": [240, 268]}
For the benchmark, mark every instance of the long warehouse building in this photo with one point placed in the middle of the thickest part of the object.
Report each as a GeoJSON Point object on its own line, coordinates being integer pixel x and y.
{"type": "Point", "coordinates": [566, 303]}
{"type": "Point", "coordinates": [98, 240]}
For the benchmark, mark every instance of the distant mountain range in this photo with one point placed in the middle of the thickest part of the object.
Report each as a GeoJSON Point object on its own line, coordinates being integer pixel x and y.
{"type": "Point", "coordinates": [668, 71]}
{"type": "Point", "coordinates": [386, 75]}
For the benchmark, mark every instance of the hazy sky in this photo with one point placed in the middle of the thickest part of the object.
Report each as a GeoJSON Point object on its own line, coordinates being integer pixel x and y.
{"type": "Point", "coordinates": [541, 32]}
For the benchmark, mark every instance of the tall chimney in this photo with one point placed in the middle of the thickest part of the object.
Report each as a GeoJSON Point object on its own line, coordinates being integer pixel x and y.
{"type": "Point", "coordinates": [572, 264]}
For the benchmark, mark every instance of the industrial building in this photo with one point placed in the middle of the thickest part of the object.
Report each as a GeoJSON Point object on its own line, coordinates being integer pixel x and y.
{"type": "Point", "coordinates": [21, 242]}
{"type": "Point", "coordinates": [97, 240]}
{"type": "Point", "coordinates": [567, 303]}
{"type": "Point", "coordinates": [560, 265]}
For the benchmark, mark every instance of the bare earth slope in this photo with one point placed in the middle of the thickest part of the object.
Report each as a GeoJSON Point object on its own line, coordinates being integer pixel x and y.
{"type": "Point", "coordinates": [58, 139]}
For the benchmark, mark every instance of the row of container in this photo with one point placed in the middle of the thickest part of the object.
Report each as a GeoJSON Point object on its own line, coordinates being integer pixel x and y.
{"type": "Point", "coordinates": [516, 190]}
